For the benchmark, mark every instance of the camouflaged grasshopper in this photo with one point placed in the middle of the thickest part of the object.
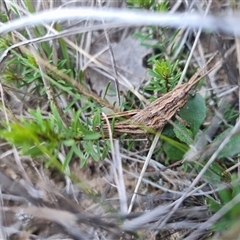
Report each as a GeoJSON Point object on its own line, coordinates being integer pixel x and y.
{"type": "Point", "coordinates": [155, 116]}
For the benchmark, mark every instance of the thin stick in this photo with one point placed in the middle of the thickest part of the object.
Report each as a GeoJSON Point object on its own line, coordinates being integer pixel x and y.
{"type": "Point", "coordinates": [155, 140]}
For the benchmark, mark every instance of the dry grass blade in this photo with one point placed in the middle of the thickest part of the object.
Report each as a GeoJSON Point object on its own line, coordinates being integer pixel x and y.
{"type": "Point", "coordinates": [154, 144]}
{"type": "Point", "coordinates": [227, 24]}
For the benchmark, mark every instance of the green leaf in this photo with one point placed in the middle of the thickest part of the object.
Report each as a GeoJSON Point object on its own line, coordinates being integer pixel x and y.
{"type": "Point", "coordinates": [214, 205]}
{"type": "Point", "coordinates": [225, 195]}
{"type": "Point", "coordinates": [174, 149]}
{"type": "Point", "coordinates": [212, 174]}
{"type": "Point", "coordinates": [83, 162]}
{"type": "Point", "coordinates": [235, 184]}
{"type": "Point", "coordinates": [183, 133]}
{"type": "Point", "coordinates": [96, 119]}
{"type": "Point", "coordinates": [232, 147]}
{"type": "Point", "coordinates": [168, 131]}
{"type": "Point", "coordinates": [92, 136]}
{"type": "Point", "coordinates": [69, 142]}
{"type": "Point", "coordinates": [69, 156]}
{"type": "Point", "coordinates": [30, 138]}
{"type": "Point", "coordinates": [181, 146]}
{"type": "Point", "coordinates": [105, 150]}
{"type": "Point", "coordinates": [194, 113]}
{"type": "Point", "coordinates": [106, 90]}
{"type": "Point", "coordinates": [223, 224]}
{"type": "Point", "coordinates": [88, 147]}
{"type": "Point", "coordinates": [172, 152]}
{"type": "Point", "coordinates": [78, 152]}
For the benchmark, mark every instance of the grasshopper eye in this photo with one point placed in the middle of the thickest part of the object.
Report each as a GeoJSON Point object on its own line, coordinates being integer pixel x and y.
{"type": "Point", "coordinates": [192, 93]}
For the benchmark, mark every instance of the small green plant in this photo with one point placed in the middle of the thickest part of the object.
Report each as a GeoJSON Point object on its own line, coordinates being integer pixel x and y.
{"type": "Point", "coordinates": [45, 135]}
{"type": "Point", "coordinates": [161, 6]}
{"type": "Point", "coordinates": [165, 76]}
{"type": "Point", "coordinates": [225, 196]}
